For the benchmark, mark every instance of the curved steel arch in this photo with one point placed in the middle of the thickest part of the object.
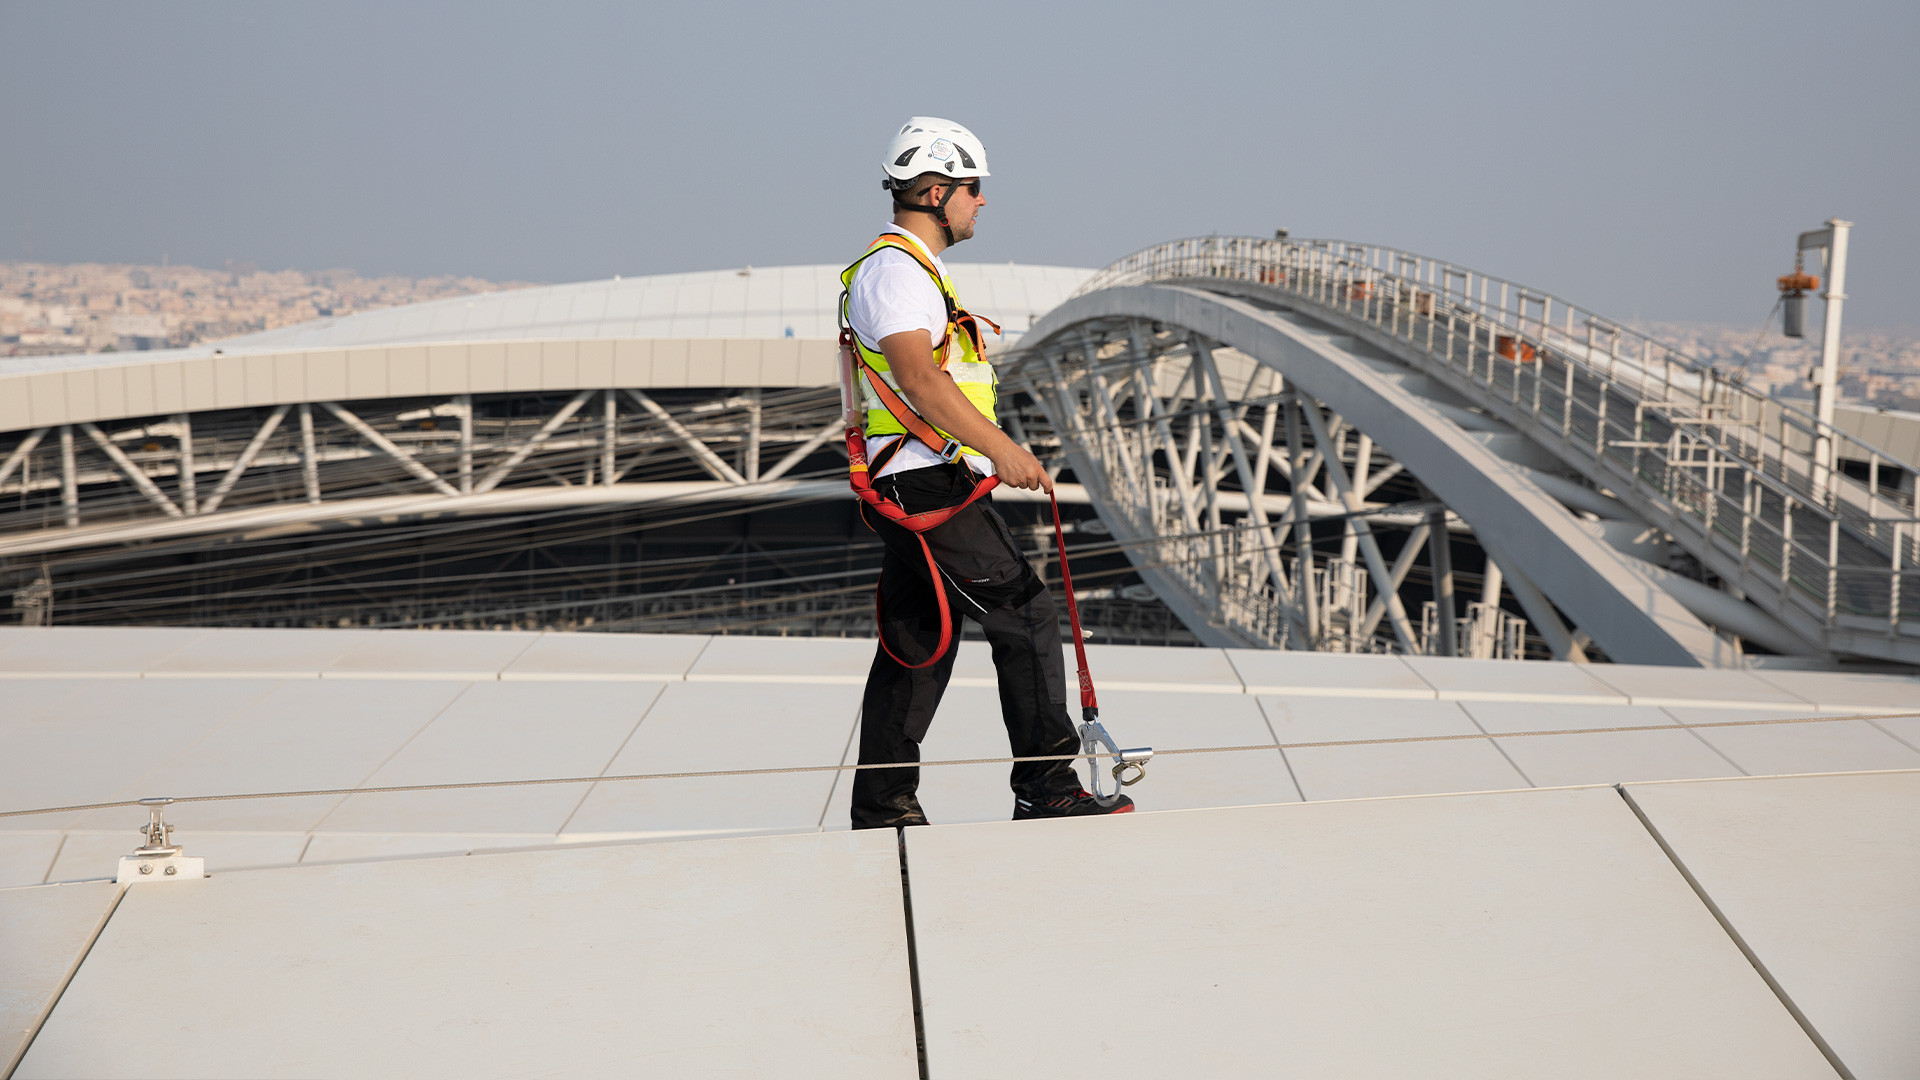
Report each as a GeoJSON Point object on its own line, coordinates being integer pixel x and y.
{"type": "Point", "coordinates": [1747, 486]}
{"type": "Point", "coordinates": [1609, 596]}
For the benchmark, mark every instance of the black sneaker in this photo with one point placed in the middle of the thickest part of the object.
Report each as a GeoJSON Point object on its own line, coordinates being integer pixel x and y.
{"type": "Point", "coordinates": [1076, 803]}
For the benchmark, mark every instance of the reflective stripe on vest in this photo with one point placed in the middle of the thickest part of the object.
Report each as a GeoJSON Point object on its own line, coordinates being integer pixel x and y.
{"type": "Point", "coordinates": [956, 352]}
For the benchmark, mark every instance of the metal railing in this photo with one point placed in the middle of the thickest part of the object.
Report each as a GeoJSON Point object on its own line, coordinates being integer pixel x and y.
{"type": "Point", "coordinates": [1751, 485]}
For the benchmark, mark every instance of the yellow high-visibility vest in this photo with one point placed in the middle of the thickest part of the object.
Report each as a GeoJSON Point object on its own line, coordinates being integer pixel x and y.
{"type": "Point", "coordinates": [959, 353]}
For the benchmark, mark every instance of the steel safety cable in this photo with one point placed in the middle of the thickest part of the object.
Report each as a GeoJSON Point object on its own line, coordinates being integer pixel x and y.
{"type": "Point", "coordinates": [786, 769]}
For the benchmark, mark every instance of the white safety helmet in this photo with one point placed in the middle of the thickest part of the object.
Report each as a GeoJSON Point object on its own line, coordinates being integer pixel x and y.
{"type": "Point", "coordinates": [928, 144]}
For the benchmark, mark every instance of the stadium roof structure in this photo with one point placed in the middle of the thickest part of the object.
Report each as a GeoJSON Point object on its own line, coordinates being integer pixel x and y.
{"type": "Point", "coordinates": [1633, 503]}
{"type": "Point", "coordinates": [737, 315]}
{"type": "Point", "coordinates": [1402, 876]}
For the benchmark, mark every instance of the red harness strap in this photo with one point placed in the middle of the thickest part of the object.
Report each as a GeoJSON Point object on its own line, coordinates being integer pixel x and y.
{"type": "Point", "coordinates": [918, 524]}
{"type": "Point", "coordinates": [1089, 705]}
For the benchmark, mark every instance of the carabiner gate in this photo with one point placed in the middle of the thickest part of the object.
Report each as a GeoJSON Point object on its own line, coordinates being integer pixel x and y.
{"type": "Point", "coordinates": [1129, 766]}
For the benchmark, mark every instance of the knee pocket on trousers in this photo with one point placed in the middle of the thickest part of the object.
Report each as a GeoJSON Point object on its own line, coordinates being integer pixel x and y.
{"type": "Point", "coordinates": [1011, 594]}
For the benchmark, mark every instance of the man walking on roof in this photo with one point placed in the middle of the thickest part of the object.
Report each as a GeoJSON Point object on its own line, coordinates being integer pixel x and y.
{"type": "Point", "coordinates": [909, 328]}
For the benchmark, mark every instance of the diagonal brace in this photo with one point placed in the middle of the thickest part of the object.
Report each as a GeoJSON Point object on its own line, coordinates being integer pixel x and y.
{"type": "Point", "coordinates": [131, 471]}
{"type": "Point", "coordinates": [835, 426]}
{"type": "Point", "coordinates": [499, 472]}
{"type": "Point", "coordinates": [387, 447]}
{"type": "Point", "coordinates": [1363, 533]}
{"type": "Point", "coordinates": [27, 446]}
{"type": "Point", "coordinates": [246, 459]}
{"type": "Point", "coordinates": [701, 452]}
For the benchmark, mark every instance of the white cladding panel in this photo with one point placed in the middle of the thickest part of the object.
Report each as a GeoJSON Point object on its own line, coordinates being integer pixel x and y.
{"type": "Point", "coordinates": [781, 956]}
{"type": "Point", "coordinates": [43, 934]}
{"type": "Point", "coordinates": [222, 711]}
{"type": "Point", "coordinates": [1523, 934]}
{"type": "Point", "coordinates": [1820, 877]}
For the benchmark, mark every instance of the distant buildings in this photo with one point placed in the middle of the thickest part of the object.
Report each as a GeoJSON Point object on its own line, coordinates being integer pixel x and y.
{"type": "Point", "coordinates": [1876, 367]}
{"type": "Point", "coordinates": [48, 309]}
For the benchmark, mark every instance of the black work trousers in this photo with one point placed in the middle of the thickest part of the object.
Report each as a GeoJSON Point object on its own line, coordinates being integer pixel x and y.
{"type": "Point", "coordinates": [988, 580]}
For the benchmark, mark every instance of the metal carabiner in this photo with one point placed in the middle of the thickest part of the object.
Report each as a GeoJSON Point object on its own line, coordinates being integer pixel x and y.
{"type": "Point", "coordinates": [1093, 737]}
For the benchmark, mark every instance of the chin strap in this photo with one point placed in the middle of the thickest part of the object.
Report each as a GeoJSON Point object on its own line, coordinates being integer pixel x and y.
{"type": "Point", "coordinates": [939, 211]}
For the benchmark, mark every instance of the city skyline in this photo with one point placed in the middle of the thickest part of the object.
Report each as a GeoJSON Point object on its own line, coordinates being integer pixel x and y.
{"type": "Point", "coordinates": [91, 307]}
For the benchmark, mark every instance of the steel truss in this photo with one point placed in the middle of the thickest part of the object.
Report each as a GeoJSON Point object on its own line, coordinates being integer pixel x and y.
{"type": "Point", "coordinates": [298, 464]}
{"type": "Point", "coordinates": [1213, 471]}
{"type": "Point", "coordinates": [695, 510]}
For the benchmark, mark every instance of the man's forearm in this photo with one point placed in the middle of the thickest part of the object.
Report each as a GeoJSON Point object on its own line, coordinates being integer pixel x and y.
{"type": "Point", "coordinates": [934, 395]}
{"type": "Point", "coordinates": [947, 408]}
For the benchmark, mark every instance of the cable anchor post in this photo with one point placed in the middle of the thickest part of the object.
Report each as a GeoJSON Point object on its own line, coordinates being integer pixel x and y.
{"type": "Point", "coordinates": [1128, 766]}
{"type": "Point", "coordinates": [158, 858]}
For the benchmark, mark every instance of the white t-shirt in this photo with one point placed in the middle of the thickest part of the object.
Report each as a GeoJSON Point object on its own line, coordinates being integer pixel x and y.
{"type": "Point", "coordinates": [893, 293]}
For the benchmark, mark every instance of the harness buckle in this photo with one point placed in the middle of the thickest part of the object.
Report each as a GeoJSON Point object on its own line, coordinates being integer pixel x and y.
{"type": "Point", "coordinates": [1128, 767]}
{"type": "Point", "coordinates": [951, 451]}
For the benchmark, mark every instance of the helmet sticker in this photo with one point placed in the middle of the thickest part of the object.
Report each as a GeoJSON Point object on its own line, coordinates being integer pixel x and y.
{"type": "Point", "coordinates": [941, 150]}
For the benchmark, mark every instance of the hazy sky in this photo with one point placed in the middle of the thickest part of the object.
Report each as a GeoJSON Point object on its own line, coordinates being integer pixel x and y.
{"type": "Point", "coordinates": [1639, 158]}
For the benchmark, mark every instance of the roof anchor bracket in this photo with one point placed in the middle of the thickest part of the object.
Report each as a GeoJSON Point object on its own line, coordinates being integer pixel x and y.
{"type": "Point", "coordinates": [158, 858]}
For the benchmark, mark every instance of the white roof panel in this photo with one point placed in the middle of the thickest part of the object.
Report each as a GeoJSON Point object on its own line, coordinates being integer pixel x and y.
{"type": "Point", "coordinates": [1365, 772]}
{"type": "Point", "coordinates": [80, 738]}
{"type": "Point", "coordinates": [43, 935]}
{"type": "Point", "coordinates": [1904, 728]}
{"type": "Point", "coordinates": [1168, 720]}
{"type": "Point", "coordinates": [95, 742]}
{"type": "Point", "coordinates": [1524, 934]}
{"type": "Point", "coordinates": [1327, 674]}
{"type": "Point", "coordinates": [1615, 757]}
{"type": "Point", "coordinates": [1512, 680]}
{"type": "Point", "coordinates": [1326, 719]}
{"type": "Point", "coordinates": [1820, 877]}
{"type": "Point", "coordinates": [1834, 746]}
{"type": "Point", "coordinates": [113, 650]}
{"type": "Point", "coordinates": [26, 856]}
{"type": "Point", "coordinates": [408, 653]}
{"type": "Point", "coordinates": [286, 653]}
{"type": "Point", "coordinates": [796, 660]}
{"type": "Point", "coordinates": [501, 731]}
{"type": "Point", "coordinates": [608, 656]}
{"type": "Point", "coordinates": [1503, 716]}
{"type": "Point", "coordinates": [698, 727]}
{"type": "Point", "coordinates": [299, 736]}
{"type": "Point", "coordinates": [1837, 691]}
{"type": "Point", "coordinates": [1141, 667]}
{"type": "Point", "coordinates": [779, 956]}
{"type": "Point", "coordinates": [1649, 685]}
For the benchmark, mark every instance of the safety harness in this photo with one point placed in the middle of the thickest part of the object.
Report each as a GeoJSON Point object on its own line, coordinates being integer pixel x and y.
{"type": "Point", "coordinates": [861, 471]}
{"type": "Point", "coordinates": [1128, 765]}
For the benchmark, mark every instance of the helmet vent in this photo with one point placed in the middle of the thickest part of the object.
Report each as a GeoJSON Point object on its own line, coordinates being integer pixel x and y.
{"type": "Point", "coordinates": [965, 158]}
{"type": "Point", "coordinates": [906, 157]}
